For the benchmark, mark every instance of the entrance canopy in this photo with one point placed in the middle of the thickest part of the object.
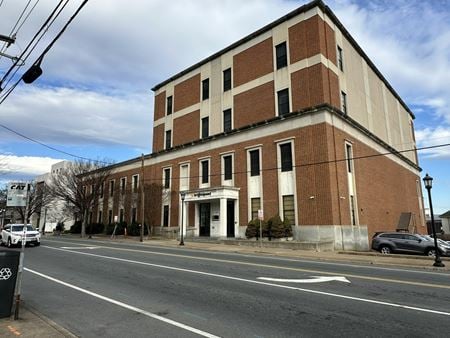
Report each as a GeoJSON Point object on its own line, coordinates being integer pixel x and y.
{"type": "Point", "coordinates": [207, 194]}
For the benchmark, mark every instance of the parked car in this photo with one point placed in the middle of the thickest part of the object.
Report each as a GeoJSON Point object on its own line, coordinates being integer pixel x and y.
{"type": "Point", "coordinates": [12, 235]}
{"type": "Point", "coordinates": [397, 242]}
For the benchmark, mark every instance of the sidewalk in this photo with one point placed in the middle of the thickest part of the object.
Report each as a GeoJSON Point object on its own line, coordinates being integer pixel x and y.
{"type": "Point", "coordinates": [31, 324]}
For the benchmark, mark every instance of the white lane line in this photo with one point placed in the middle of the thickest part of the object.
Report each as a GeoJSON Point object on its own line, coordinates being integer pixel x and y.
{"type": "Point", "coordinates": [80, 247]}
{"type": "Point", "coordinates": [309, 261]}
{"type": "Point", "coordinates": [262, 283]}
{"type": "Point", "coordinates": [313, 279]}
{"type": "Point", "coordinates": [126, 306]}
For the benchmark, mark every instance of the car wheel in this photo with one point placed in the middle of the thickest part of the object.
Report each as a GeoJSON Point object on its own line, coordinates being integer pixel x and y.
{"type": "Point", "coordinates": [431, 252]}
{"type": "Point", "coordinates": [9, 244]}
{"type": "Point", "coordinates": [385, 250]}
{"type": "Point", "coordinates": [37, 244]}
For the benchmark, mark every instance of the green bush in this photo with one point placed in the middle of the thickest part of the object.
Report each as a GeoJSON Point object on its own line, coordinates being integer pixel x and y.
{"type": "Point", "coordinates": [95, 228]}
{"type": "Point", "coordinates": [120, 230]}
{"type": "Point", "coordinates": [275, 227]}
{"type": "Point", "coordinates": [287, 228]}
{"type": "Point", "coordinates": [135, 230]}
{"type": "Point", "coordinates": [253, 229]}
{"type": "Point", "coordinates": [76, 228]}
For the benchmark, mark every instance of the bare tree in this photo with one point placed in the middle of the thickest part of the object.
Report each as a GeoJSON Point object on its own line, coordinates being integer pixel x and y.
{"type": "Point", "coordinates": [79, 186]}
{"type": "Point", "coordinates": [154, 195]}
{"type": "Point", "coordinates": [38, 197]}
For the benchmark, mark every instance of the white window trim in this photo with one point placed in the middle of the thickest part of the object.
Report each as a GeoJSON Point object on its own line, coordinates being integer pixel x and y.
{"type": "Point", "coordinates": [188, 165]}
{"type": "Point", "coordinates": [351, 183]}
{"type": "Point", "coordinates": [200, 184]}
{"type": "Point", "coordinates": [260, 177]}
{"type": "Point", "coordinates": [222, 169]}
{"type": "Point", "coordinates": [223, 119]}
{"type": "Point", "coordinates": [164, 178]}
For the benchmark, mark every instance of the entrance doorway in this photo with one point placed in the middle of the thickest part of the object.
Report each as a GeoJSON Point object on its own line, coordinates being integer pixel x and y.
{"type": "Point", "coordinates": [230, 218]}
{"type": "Point", "coordinates": [205, 219]}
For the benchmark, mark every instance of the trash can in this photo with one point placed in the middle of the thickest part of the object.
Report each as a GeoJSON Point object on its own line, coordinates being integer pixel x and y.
{"type": "Point", "coordinates": [9, 266]}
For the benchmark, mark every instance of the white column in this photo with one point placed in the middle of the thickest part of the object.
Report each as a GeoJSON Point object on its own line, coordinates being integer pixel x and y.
{"type": "Point", "coordinates": [236, 219]}
{"type": "Point", "coordinates": [196, 221]}
{"type": "Point", "coordinates": [223, 218]}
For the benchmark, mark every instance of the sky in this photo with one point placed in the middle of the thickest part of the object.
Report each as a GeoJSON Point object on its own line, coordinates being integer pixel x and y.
{"type": "Point", "coordinates": [94, 97]}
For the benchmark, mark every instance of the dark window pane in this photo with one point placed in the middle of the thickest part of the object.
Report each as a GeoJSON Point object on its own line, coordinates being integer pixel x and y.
{"type": "Point", "coordinates": [205, 89]}
{"type": "Point", "coordinates": [227, 120]}
{"type": "Point", "coordinates": [344, 102]}
{"type": "Point", "coordinates": [227, 79]}
{"type": "Point", "coordinates": [168, 139]}
{"type": "Point", "coordinates": [254, 163]}
{"type": "Point", "coordinates": [228, 167]}
{"type": "Point", "coordinates": [256, 205]}
{"type": "Point", "coordinates": [166, 178]}
{"type": "Point", "coordinates": [166, 216]}
{"type": "Point", "coordinates": [205, 127]}
{"type": "Point", "coordinates": [283, 102]}
{"type": "Point", "coordinates": [340, 59]}
{"type": "Point", "coordinates": [169, 105]}
{"type": "Point", "coordinates": [281, 55]}
{"type": "Point", "coordinates": [349, 155]}
{"type": "Point", "coordinates": [286, 157]}
{"type": "Point", "coordinates": [205, 174]}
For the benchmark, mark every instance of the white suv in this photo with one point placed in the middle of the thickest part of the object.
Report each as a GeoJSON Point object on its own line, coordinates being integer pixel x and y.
{"type": "Point", "coordinates": [12, 235]}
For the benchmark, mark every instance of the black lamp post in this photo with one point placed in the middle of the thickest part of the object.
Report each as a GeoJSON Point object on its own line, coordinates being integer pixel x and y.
{"type": "Point", "coordinates": [428, 181]}
{"type": "Point", "coordinates": [183, 195]}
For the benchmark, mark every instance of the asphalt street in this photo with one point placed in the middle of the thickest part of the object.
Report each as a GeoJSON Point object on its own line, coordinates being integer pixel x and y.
{"type": "Point", "coordinates": [109, 289]}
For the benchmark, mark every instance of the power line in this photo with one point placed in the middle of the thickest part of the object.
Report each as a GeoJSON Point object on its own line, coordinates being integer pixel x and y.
{"type": "Point", "coordinates": [314, 163]}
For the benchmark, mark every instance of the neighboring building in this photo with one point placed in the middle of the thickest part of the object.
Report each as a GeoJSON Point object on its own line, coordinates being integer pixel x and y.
{"type": "Point", "coordinates": [293, 119]}
{"type": "Point", "coordinates": [445, 219]}
{"type": "Point", "coordinates": [56, 211]}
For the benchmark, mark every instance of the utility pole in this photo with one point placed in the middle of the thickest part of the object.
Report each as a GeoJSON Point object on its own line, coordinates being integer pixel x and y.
{"type": "Point", "coordinates": [142, 199]}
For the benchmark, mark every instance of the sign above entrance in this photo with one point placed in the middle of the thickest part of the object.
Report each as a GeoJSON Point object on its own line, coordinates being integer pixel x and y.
{"type": "Point", "coordinates": [200, 194]}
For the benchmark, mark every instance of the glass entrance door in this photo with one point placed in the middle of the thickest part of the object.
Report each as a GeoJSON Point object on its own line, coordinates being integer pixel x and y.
{"type": "Point", "coordinates": [205, 219]}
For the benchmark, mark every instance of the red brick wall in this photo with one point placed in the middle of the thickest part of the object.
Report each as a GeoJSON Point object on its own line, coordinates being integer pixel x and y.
{"type": "Point", "coordinates": [311, 37]}
{"type": "Point", "coordinates": [187, 93]}
{"type": "Point", "coordinates": [253, 62]}
{"type": "Point", "coordinates": [313, 86]}
{"type": "Point", "coordinates": [160, 106]}
{"type": "Point", "coordinates": [254, 105]}
{"type": "Point", "coordinates": [186, 128]}
{"type": "Point", "coordinates": [158, 138]}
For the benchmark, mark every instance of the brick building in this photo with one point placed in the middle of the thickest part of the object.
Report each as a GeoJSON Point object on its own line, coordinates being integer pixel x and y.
{"type": "Point", "coordinates": [293, 119]}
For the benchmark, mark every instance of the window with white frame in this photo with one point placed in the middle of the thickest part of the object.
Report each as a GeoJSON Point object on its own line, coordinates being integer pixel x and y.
{"type": "Point", "coordinates": [184, 176]}
{"type": "Point", "coordinates": [255, 206]}
{"type": "Point", "coordinates": [286, 156]}
{"type": "Point", "coordinates": [254, 162]}
{"type": "Point", "coordinates": [204, 171]}
{"type": "Point", "coordinates": [135, 182]}
{"type": "Point", "coordinates": [166, 178]}
{"type": "Point", "coordinates": [227, 162]}
{"type": "Point", "coordinates": [289, 209]}
{"type": "Point", "coordinates": [123, 184]}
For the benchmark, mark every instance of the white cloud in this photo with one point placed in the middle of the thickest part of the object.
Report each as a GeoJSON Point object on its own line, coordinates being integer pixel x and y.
{"type": "Point", "coordinates": [26, 165]}
{"type": "Point", "coordinates": [430, 137]}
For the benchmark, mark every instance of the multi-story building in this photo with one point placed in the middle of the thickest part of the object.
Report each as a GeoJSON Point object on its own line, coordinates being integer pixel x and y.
{"type": "Point", "coordinates": [293, 119]}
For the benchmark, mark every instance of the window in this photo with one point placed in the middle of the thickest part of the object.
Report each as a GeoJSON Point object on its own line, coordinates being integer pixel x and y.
{"type": "Point", "coordinates": [344, 102]}
{"type": "Point", "coordinates": [133, 215]}
{"type": "Point", "coordinates": [168, 139]}
{"type": "Point", "coordinates": [352, 209]}
{"type": "Point", "coordinates": [227, 126]}
{"type": "Point", "coordinates": [205, 89]}
{"type": "Point", "coordinates": [123, 182]}
{"type": "Point", "coordinates": [110, 217]}
{"type": "Point", "coordinates": [283, 102]}
{"type": "Point", "coordinates": [289, 209]}
{"type": "Point", "coordinates": [205, 171]}
{"type": "Point", "coordinates": [135, 182]}
{"type": "Point", "coordinates": [256, 205]}
{"type": "Point", "coordinates": [184, 177]}
{"type": "Point", "coordinates": [205, 127]}
{"type": "Point", "coordinates": [286, 156]}
{"type": "Point", "coordinates": [227, 167]}
{"type": "Point", "coordinates": [102, 186]}
{"type": "Point", "coordinates": [281, 55]}
{"type": "Point", "coordinates": [254, 162]}
{"type": "Point", "coordinates": [111, 188]}
{"type": "Point", "coordinates": [100, 217]}
{"type": "Point", "coordinates": [166, 216]}
{"type": "Point", "coordinates": [169, 105]}
{"type": "Point", "coordinates": [340, 59]}
{"type": "Point", "coordinates": [349, 157]}
{"type": "Point", "coordinates": [121, 215]}
{"type": "Point", "coordinates": [167, 178]}
{"type": "Point", "coordinates": [227, 79]}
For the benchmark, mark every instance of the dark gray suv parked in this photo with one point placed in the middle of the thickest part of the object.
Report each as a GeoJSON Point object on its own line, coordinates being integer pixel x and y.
{"type": "Point", "coordinates": [392, 242]}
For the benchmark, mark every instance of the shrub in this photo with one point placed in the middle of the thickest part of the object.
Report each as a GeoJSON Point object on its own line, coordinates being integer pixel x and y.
{"type": "Point", "coordinates": [76, 228]}
{"type": "Point", "coordinates": [135, 230]}
{"type": "Point", "coordinates": [275, 227]}
{"type": "Point", "coordinates": [253, 229]}
{"type": "Point", "coordinates": [60, 227]}
{"type": "Point", "coordinates": [119, 230]}
{"type": "Point", "coordinates": [94, 228]}
{"type": "Point", "coordinates": [287, 228]}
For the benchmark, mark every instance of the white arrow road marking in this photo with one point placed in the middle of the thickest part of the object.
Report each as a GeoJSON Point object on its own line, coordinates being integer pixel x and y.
{"type": "Point", "coordinates": [80, 247]}
{"type": "Point", "coordinates": [315, 279]}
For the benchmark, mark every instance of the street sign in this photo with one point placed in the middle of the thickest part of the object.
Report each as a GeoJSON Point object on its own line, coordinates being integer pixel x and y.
{"type": "Point", "coordinates": [260, 214]}
{"type": "Point", "coordinates": [17, 194]}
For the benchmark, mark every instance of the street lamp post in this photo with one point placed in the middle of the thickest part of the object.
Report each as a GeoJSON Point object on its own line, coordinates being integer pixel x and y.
{"type": "Point", "coordinates": [183, 195]}
{"type": "Point", "coordinates": [428, 181]}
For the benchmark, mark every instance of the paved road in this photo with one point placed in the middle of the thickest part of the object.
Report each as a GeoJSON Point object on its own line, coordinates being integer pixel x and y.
{"type": "Point", "coordinates": [110, 289]}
